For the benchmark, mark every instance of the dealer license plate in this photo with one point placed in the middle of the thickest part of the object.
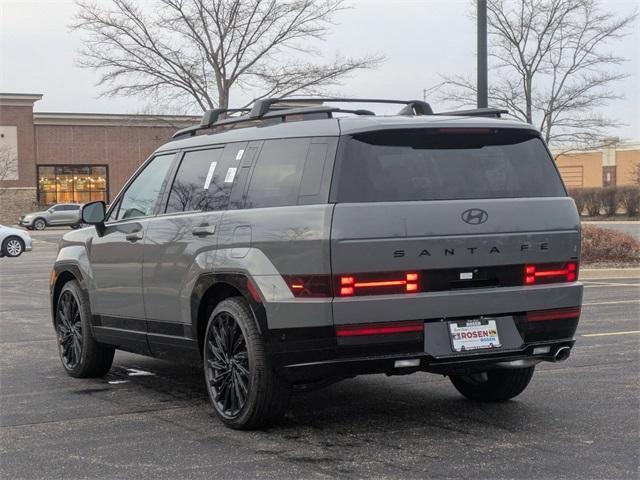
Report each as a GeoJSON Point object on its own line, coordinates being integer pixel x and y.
{"type": "Point", "coordinates": [474, 335]}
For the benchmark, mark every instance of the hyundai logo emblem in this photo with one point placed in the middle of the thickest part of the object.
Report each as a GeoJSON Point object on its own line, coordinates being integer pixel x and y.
{"type": "Point", "coordinates": [474, 216]}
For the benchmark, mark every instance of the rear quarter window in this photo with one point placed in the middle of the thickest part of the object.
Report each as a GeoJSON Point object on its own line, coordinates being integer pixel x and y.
{"type": "Point", "coordinates": [444, 164]}
{"type": "Point", "coordinates": [275, 181]}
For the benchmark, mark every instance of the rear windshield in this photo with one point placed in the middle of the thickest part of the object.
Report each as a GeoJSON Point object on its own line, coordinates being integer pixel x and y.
{"type": "Point", "coordinates": [444, 164]}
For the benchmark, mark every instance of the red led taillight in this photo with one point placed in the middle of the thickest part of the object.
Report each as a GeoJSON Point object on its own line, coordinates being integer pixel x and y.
{"type": "Point", "coordinates": [550, 273]}
{"type": "Point", "coordinates": [350, 285]}
{"type": "Point", "coordinates": [555, 314]}
{"type": "Point", "coordinates": [379, 329]}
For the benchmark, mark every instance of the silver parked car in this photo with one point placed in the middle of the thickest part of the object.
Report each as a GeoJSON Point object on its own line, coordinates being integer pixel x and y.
{"type": "Point", "coordinates": [13, 242]}
{"type": "Point", "coordinates": [56, 215]}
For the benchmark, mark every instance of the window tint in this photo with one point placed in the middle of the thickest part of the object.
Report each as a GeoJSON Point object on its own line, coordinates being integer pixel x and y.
{"type": "Point", "coordinates": [142, 195]}
{"type": "Point", "coordinates": [276, 177]}
{"type": "Point", "coordinates": [440, 165]}
{"type": "Point", "coordinates": [203, 182]}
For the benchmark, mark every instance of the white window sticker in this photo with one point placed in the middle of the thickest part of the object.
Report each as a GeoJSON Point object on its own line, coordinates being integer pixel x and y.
{"type": "Point", "coordinates": [207, 181]}
{"type": "Point", "coordinates": [239, 154]}
{"type": "Point", "coordinates": [466, 275]}
{"type": "Point", "coordinates": [231, 174]}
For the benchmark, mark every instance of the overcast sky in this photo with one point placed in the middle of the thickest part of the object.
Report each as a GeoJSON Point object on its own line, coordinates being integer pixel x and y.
{"type": "Point", "coordinates": [421, 39]}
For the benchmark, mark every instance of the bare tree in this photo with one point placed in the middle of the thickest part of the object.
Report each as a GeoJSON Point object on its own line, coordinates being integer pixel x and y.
{"type": "Point", "coordinates": [550, 66]}
{"type": "Point", "coordinates": [202, 50]}
{"type": "Point", "coordinates": [8, 166]}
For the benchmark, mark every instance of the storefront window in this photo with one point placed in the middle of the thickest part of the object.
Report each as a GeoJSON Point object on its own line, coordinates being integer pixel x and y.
{"type": "Point", "coordinates": [72, 183]}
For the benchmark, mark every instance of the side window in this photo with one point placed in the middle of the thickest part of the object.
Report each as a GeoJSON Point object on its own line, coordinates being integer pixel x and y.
{"type": "Point", "coordinates": [142, 195]}
{"type": "Point", "coordinates": [276, 177]}
{"type": "Point", "coordinates": [199, 183]}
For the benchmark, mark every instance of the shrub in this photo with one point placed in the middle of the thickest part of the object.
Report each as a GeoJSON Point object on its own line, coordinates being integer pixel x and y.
{"type": "Point", "coordinates": [578, 196]}
{"type": "Point", "coordinates": [609, 200]}
{"type": "Point", "coordinates": [592, 201]}
{"type": "Point", "coordinates": [603, 245]}
{"type": "Point", "coordinates": [630, 200]}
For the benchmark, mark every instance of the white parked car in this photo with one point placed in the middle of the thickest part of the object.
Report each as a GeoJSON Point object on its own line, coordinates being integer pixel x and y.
{"type": "Point", "coordinates": [13, 242]}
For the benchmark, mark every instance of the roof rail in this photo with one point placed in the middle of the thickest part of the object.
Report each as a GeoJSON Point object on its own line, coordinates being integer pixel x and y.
{"type": "Point", "coordinates": [209, 118]}
{"type": "Point", "coordinates": [476, 112]}
{"type": "Point", "coordinates": [412, 107]}
{"type": "Point", "coordinates": [269, 108]}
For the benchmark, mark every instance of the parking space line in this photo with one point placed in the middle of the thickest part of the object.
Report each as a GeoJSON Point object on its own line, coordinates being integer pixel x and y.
{"type": "Point", "coordinates": [609, 284]}
{"type": "Point", "coordinates": [609, 303]}
{"type": "Point", "coordinates": [607, 334]}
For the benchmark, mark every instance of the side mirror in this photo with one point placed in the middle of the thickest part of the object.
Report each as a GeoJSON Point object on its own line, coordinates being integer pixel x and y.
{"type": "Point", "coordinates": [94, 214]}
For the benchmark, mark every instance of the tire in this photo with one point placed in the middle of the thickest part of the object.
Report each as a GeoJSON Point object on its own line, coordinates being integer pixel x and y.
{"type": "Point", "coordinates": [501, 384]}
{"type": "Point", "coordinates": [12, 247]}
{"type": "Point", "coordinates": [81, 355]}
{"type": "Point", "coordinates": [39, 224]}
{"type": "Point", "coordinates": [236, 366]}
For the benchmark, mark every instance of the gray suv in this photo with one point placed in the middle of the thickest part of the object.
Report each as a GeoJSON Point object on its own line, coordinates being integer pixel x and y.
{"type": "Point", "coordinates": [320, 243]}
{"type": "Point", "coordinates": [62, 214]}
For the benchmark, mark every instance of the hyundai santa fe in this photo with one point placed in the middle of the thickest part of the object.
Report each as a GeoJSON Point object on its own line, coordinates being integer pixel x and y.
{"type": "Point", "coordinates": [299, 243]}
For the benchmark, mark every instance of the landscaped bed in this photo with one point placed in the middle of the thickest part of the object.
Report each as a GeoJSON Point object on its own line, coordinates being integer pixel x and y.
{"type": "Point", "coordinates": [606, 248]}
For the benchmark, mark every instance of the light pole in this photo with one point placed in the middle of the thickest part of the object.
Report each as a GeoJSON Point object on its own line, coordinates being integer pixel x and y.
{"type": "Point", "coordinates": [482, 54]}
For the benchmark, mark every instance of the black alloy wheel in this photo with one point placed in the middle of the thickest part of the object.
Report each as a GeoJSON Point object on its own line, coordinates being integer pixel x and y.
{"type": "Point", "coordinates": [69, 330]}
{"type": "Point", "coordinates": [227, 365]}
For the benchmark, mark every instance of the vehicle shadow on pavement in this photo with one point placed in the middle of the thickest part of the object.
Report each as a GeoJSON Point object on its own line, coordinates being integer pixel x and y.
{"type": "Point", "coordinates": [360, 405]}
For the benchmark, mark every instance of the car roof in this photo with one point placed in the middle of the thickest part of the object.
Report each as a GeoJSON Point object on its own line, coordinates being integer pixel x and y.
{"type": "Point", "coordinates": [333, 127]}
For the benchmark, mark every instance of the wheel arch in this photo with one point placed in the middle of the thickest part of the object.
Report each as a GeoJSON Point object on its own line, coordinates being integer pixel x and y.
{"type": "Point", "coordinates": [210, 290]}
{"type": "Point", "coordinates": [61, 275]}
{"type": "Point", "coordinates": [6, 239]}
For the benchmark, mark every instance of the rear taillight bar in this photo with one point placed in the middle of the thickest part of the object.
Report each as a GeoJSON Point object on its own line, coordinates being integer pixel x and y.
{"type": "Point", "coordinates": [350, 285]}
{"type": "Point", "coordinates": [379, 329]}
{"type": "Point", "coordinates": [550, 273]}
{"type": "Point", "coordinates": [572, 313]}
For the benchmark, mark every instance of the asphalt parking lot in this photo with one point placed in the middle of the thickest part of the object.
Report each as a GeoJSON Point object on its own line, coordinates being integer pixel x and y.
{"type": "Point", "coordinates": [151, 419]}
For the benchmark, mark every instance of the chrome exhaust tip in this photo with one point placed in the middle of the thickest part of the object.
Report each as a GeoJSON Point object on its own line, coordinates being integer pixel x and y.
{"type": "Point", "coordinates": [562, 354]}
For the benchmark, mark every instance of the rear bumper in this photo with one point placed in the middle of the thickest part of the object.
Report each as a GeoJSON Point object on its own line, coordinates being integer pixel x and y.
{"type": "Point", "coordinates": [389, 364]}
{"type": "Point", "coordinates": [311, 351]}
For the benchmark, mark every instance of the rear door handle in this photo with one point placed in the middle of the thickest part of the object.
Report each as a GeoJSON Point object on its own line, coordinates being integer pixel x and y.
{"type": "Point", "coordinates": [203, 230]}
{"type": "Point", "coordinates": [134, 237]}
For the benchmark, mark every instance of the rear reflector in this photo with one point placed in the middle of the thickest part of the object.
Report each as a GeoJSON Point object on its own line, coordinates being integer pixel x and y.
{"type": "Point", "coordinates": [555, 314]}
{"type": "Point", "coordinates": [379, 329]}
{"type": "Point", "coordinates": [253, 291]}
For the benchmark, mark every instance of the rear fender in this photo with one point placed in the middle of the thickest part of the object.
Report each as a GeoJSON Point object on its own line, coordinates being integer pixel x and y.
{"type": "Point", "coordinates": [237, 281]}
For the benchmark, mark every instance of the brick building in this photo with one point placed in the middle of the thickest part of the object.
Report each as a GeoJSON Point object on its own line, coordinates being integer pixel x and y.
{"type": "Point", "coordinates": [47, 158]}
